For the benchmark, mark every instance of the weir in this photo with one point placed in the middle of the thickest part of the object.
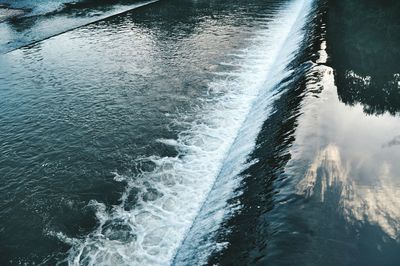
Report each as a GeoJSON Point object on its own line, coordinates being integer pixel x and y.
{"type": "Point", "coordinates": [200, 241]}
{"type": "Point", "coordinates": [162, 228]}
{"type": "Point", "coordinates": [198, 132]}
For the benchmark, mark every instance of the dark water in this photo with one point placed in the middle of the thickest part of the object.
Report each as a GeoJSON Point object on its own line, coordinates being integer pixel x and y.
{"type": "Point", "coordinates": [326, 189]}
{"type": "Point", "coordinates": [364, 36]}
{"type": "Point", "coordinates": [200, 132]}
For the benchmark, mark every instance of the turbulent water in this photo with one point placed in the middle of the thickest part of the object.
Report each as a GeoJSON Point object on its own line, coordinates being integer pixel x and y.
{"type": "Point", "coordinates": [182, 132]}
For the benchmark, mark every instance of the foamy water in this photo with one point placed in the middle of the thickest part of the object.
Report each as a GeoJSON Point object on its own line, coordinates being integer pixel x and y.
{"type": "Point", "coordinates": [200, 242]}
{"type": "Point", "coordinates": [211, 154]}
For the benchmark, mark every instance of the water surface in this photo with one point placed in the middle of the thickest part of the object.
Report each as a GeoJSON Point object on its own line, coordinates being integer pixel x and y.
{"type": "Point", "coordinates": [200, 132]}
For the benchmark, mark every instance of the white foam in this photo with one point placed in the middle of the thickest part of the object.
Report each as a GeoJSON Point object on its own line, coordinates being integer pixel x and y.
{"type": "Point", "coordinates": [217, 142]}
{"type": "Point", "coordinates": [287, 36]}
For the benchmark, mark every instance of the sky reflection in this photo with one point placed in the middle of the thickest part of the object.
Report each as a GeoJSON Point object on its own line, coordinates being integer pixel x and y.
{"type": "Point", "coordinates": [354, 162]}
{"type": "Point", "coordinates": [375, 204]}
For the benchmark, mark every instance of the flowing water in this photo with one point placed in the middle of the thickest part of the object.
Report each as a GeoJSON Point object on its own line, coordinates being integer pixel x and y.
{"type": "Point", "coordinates": [193, 132]}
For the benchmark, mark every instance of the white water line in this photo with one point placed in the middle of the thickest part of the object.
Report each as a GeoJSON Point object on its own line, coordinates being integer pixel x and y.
{"type": "Point", "coordinates": [172, 195]}
{"type": "Point", "coordinates": [196, 250]}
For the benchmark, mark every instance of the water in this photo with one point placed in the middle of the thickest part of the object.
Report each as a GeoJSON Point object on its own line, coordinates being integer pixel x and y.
{"type": "Point", "coordinates": [197, 132]}
{"type": "Point", "coordinates": [201, 241]}
{"type": "Point", "coordinates": [325, 191]}
{"type": "Point", "coordinates": [39, 7]}
{"type": "Point", "coordinates": [39, 20]}
{"type": "Point", "coordinates": [152, 128]}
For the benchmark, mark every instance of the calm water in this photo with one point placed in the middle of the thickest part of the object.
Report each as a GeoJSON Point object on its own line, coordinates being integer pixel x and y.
{"type": "Point", "coordinates": [185, 132]}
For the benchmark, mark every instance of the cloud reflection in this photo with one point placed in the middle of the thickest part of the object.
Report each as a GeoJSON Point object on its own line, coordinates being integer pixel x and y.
{"type": "Point", "coordinates": [374, 204]}
{"type": "Point", "coordinates": [393, 142]}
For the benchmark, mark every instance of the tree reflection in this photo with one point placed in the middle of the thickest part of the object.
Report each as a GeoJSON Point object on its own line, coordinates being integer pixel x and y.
{"type": "Point", "coordinates": [364, 39]}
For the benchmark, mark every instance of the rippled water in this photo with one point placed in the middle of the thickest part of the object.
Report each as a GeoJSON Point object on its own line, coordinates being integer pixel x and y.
{"type": "Point", "coordinates": [36, 21]}
{"type": "Point", "coordinates": [143, 105]}
{"type": "Point", "coordinates": [197, 132]}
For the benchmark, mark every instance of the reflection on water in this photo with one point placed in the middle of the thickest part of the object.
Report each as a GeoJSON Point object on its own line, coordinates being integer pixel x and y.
{"type": "Point", "coordinates": [323, 185]}
{"type": "Point", "coordinates": [325, 188]}
{"type": "Point", "coordinates": [393, 142]}
{"type": "Point", "coordinates": [350, 175]}
{"type": "Point", "coordinates": [376, 204]}
{"type": "Point", "coordinates": [364, 37]}
{"type": "Point", "coordinates": [251, 231]}
{"type": "Point", "coordinates": [324, 173]}
{"type": "Point", "coordinates": [356, 160]}
{"type": "Point", "coordinates": [326, 185]}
